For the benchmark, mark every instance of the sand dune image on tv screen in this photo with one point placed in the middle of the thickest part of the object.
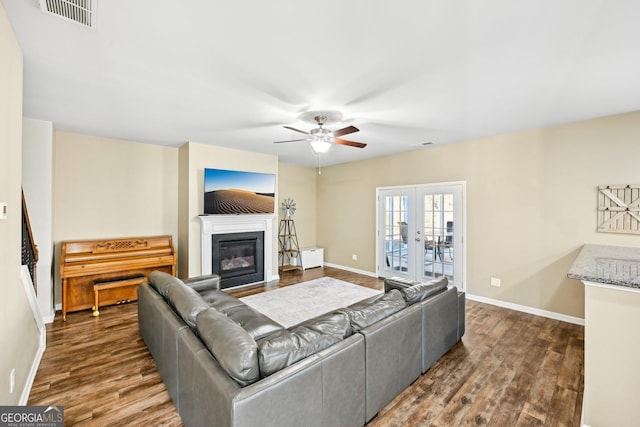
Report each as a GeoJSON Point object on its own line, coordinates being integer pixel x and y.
{"type": "Point", "coordinates": [237, 202]}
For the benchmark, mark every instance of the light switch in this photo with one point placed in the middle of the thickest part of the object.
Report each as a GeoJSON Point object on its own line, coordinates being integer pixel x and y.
{"type": "Point", "coordinates": [3, 210]}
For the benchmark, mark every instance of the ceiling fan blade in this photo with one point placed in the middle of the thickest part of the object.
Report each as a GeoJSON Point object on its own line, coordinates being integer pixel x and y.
{"type": "Point", "coordinates": [296, 130]}
{"type": "Point", "coordinates": [349, 143]}
{"type": "Point", "coordinates": [289, 140]}
{"type": "Point", "coordinates": [345, 131]}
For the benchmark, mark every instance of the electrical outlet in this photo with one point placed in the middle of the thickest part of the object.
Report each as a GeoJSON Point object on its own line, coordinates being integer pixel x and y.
{"type": "Point", "coordinates": [354, 257]}
{"type": "Point", "coordinates": [12, 380]}
{"type": "Point", "coordinates": [495, 282]}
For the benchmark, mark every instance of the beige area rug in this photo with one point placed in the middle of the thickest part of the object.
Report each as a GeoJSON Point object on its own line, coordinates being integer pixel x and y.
{"type": "Point", "coordinates": [293, 304]}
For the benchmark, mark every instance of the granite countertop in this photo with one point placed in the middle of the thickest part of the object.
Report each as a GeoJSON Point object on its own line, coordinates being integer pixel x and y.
{"type": "Point", "coordinates": [613, 265]}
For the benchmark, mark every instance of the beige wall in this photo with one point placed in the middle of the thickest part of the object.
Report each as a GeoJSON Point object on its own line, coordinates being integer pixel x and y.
{"type": "Point", "coordinates": [37, 184]}
{"type": "Point", "coordinates": [531, 204]}
{"type": "Point", "coordinates": [18, 329]}
{"type": "Point", "coordinates": [184, 209]}
{"type": "Point", "coordinates": [113, 188]}
{"type": "Point", "coordinates": [108, 188]}
{"type": "Point", "coordinates": [299, 183]}
{"type": "Point", "coordinates": [194, 158]}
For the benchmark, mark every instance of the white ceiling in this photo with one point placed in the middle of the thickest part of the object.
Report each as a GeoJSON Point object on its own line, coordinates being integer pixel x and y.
{"type": "Point", "coordinates": [405, 71]}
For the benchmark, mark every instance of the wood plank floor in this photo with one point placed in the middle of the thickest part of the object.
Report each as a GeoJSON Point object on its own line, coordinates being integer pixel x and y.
{"type": "Point", "coordinates": [511, 369]}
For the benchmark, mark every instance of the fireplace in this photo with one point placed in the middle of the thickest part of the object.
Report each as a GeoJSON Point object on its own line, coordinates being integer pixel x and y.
{"type": "Point", "coordinates": [238, 258]}
{"type": "Point", "coordinates": [216, 225]}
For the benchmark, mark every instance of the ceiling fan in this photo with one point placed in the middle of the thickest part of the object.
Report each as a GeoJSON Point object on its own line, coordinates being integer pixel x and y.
{"type": "Point", "coordinates": [321, 138]}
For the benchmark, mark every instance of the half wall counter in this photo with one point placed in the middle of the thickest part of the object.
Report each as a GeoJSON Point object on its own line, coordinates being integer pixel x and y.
{"type": "Point", "coordinates": [611, 275]}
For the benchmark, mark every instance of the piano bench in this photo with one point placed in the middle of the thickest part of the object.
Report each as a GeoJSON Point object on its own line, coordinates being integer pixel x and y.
{"type": "Point", "coordinates": [103, 285]}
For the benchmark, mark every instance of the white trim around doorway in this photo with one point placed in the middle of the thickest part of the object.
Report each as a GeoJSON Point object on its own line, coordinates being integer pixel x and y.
{"type": "Point", "coordinates": [463, 184]}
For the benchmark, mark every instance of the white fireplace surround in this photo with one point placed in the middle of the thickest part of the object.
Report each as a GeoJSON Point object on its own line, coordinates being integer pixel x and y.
{"type": "Point", "coordinates": [223, 224]}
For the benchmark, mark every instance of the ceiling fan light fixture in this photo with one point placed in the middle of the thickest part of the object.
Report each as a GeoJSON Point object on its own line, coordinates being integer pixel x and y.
{"type": "Point", "coordinates": [320, 138]}
{"type": "Point", "coordinates": [320, 146]}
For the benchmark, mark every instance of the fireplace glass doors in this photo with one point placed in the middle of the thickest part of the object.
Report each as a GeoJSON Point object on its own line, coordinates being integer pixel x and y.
{"type": "Point", "coordinates": [238, 258]}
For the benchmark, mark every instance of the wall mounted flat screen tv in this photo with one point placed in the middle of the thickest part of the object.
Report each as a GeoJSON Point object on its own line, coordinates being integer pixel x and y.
{"type": "Point", "coordinates": [236, 192]}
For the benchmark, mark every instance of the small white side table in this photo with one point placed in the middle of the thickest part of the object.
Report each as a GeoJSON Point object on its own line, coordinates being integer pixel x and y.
{"type": "Point", "coordinates": [312, 257]}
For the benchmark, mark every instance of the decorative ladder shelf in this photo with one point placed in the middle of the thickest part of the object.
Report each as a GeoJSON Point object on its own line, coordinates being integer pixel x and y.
{"type": "Point", "coordinates": [289, 252]}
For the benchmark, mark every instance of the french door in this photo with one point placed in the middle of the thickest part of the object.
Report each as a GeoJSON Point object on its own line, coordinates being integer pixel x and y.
{"type": "Point", "coordinates": [420, 232]}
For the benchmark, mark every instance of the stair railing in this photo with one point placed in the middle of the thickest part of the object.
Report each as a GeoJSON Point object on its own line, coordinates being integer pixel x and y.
{"type": "Point", "coordinates": [29, 247]}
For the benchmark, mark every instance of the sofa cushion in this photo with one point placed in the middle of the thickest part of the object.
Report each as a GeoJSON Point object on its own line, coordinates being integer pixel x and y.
{"type": "Point", "coordinates": [334, 324]}
{"type": "Point", "coordinates": [203, 283]}
{"type": "Point", "coordinates": [255, 323]}
{"type": "Point", "coordinates": [162, 281]}
{"type": "Point", "coordinates": [186, 302]}
{"type": "Point", "coordinates": [422, 291]}
{"type": "Point", "coordinates": [372, 310]}
{"type": "Point", "coordinates": [220, 300]}
{"type": "Point", "coordinates": [398, 283]}
{"type": "Point", "coordinates": [232, 346]}
{"type": "Point", "coordinates": [281, 349]}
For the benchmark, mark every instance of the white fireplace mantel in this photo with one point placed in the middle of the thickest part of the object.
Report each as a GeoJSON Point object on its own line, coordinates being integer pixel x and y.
{"type": "Point", "coordinates": [222, 224]}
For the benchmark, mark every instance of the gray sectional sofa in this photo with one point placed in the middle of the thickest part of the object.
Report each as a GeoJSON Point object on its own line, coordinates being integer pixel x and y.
{"type": "Point", "coordinates": [225, 364]}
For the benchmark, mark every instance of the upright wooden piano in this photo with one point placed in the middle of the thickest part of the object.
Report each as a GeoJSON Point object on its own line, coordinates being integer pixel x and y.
{"type": "Point", "coordinates": [105, 272]}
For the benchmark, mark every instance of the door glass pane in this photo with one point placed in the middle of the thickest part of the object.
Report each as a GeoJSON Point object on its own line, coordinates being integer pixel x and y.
{"type": "Point", "coordinates": [416, 238]}
{"type": "Point", "coordinates": [395, 232]}
{"type": "Point", "coordinates": [438, 235]}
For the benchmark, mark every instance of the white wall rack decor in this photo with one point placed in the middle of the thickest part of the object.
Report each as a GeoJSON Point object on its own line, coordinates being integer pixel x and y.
{"type": "Point", "coordinates": [619, 209]}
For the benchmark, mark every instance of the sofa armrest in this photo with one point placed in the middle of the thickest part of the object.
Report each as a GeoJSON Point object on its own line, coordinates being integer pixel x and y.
{"type": "Point", "coordinates": [440, 325]}
{"type": "Point", "coordinates": [203, 283]}
{"type": "Point", "coordinates": [393, 351]}
{"type": "Point", "coordinates": [399, 283]}
{"type": "Point", "coordinates": [461, 314]}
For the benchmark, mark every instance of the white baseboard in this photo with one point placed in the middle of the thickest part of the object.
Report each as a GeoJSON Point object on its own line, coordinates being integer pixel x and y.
{"type": "Point", "coordinates": [526, 309]}
{"type": "Point", "coordinates": [353, 270]}
{"type": "Point", "coordinates": [509, 305]}
{"type": "Point", "coordinates": [504, 304]}
{"type": "Point", "coordinates": [42, 333]}
{"type": "Point", "coordinates": [48, 317]}
{"type": "Point", "coordinates": [582, 424]}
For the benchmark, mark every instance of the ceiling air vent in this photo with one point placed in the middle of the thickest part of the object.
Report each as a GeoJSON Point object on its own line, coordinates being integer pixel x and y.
{"type": "Point", "coordinates": [79, 11]}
